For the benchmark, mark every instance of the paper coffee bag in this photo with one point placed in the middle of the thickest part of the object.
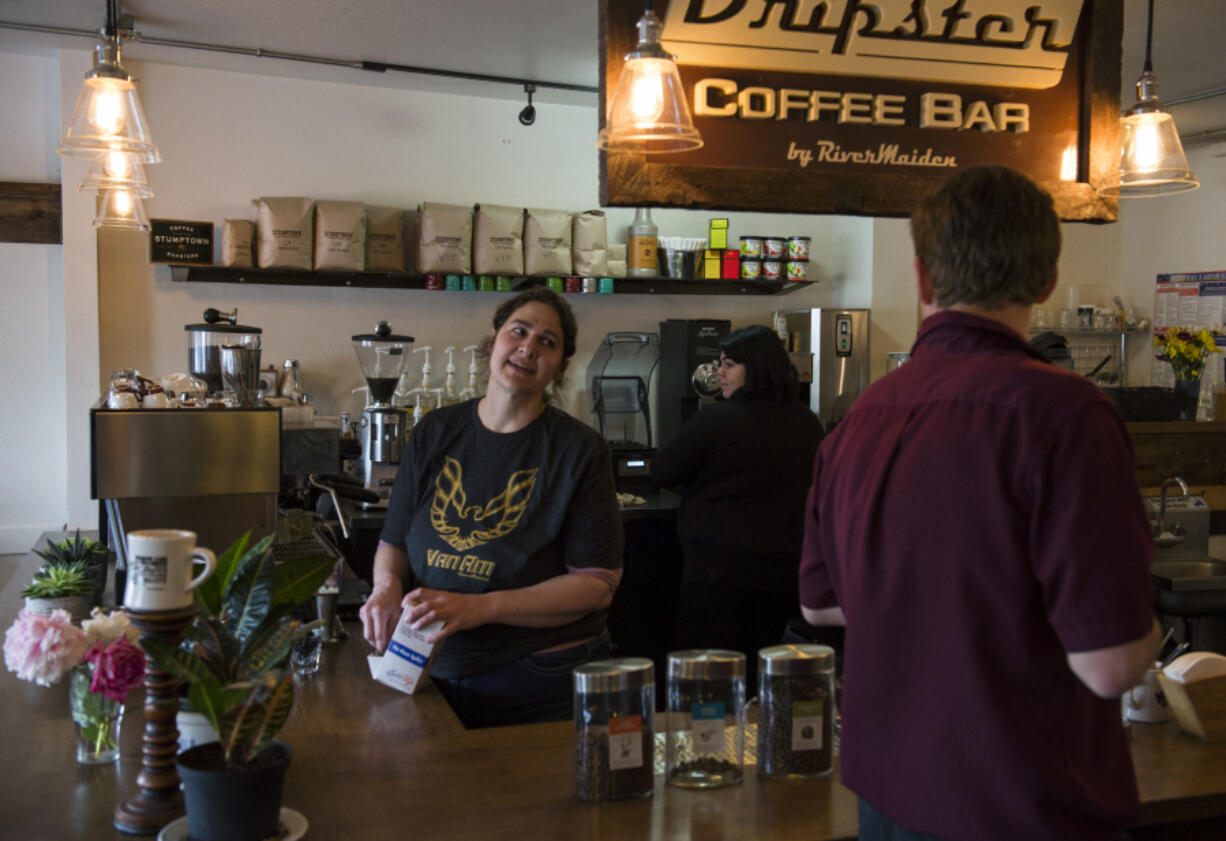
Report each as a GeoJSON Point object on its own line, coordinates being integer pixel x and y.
{"type": "Point", "coordinates": [286, 231]}
{"type": "Point", "coordinates": [236, 237]}
{"type": "Point", "coordinates": [340, 236]}
{"type": "Point", "coordinates": [547, 240]}
{"type": "Point", "coordinates": [589, 243]}
{"type": "Point", "coordinates": [444, 238]}
{"type": "Point", "coordinates": [498, 240]}
{"type": "Point", "coordinates": [384, 239]}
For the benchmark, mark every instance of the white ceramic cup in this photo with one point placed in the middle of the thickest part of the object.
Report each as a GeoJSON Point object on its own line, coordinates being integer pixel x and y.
{"type": "Point", "coordinates": [1145, 702]}
{"type": "Point", "coordinates": [160, 569]}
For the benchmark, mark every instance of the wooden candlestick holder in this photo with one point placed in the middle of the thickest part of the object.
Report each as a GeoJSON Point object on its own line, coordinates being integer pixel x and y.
{"type": "Point", "coordinates": [159, 800]}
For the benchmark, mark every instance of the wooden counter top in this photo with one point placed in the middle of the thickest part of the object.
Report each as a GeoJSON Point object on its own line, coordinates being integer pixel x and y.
{"type": "Point", "coordinates": [374, 764]}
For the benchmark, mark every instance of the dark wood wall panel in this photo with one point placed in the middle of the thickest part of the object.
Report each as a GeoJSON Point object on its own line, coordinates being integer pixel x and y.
{"type": "Point", "coordinates": [30, 212]}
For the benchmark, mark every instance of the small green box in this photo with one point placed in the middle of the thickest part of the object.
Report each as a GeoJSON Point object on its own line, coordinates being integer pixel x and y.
{"type": "Point", "coordinates": [717, 234]}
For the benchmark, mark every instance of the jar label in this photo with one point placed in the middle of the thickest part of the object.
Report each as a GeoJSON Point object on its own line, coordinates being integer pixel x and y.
{"type": "Point", "coordinates": [807, 725]}
{"type": "Point", "coordinates": [625, 742]}
{"type": "Point", "coordinates": [642, 253]}
{"type": "Point", "coordinates": [708, 727]}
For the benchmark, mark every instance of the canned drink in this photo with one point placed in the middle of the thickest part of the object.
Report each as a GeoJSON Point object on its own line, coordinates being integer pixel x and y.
{"type": "Point", "coordinates": [555, 283]}
{"type": "Point", "coordinates": [434, 281]}
{"type": "Point", "coordinates": [502, 283]}
{"type": "Point", "coordinates": [452, 283]}
{"type": "Point", "coordinates": [751, 247]}
{"type": "Point", "coordinates": [573, 284]}
{"type": "Point", "coordinates": [468, 283]}
{"type": "Point", "coordinates": [605, 286]}
{"type": "Point", "coordinates": [798, 248]}
{"type": "Point", "coordinates": [589, 284]}
{"type": "Point", "coordinates": [797, 269]}
{"type": "Point", "coordinates": [751, 269]}
{"type": "Point", "coordinates": [485, 283]}
{"type": "Point", "coordinates": [774, 248]}
{"type": "Point", "coordinates": [771, 269]}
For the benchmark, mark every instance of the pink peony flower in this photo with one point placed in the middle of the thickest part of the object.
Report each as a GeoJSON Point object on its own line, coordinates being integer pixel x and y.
{"type": "Point", "coordinates": [118, 668]}
{"type": "Point", "coordinates": [42, 648]}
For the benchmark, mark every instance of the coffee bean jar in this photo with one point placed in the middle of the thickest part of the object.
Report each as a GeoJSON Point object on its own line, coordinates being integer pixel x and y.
{"type": "Point", "coordinates": [615, 702]}
{"type": "Point", "coordinates": [796, 715]}
{"type": "Point", "coordinates": [705, 747]}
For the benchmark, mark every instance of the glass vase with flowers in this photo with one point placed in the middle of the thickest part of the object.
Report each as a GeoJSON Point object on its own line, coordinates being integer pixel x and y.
{"type": "Point", "coordinates": [1187, 350]}
{"type": "Point", "coordinates": [101, 659]}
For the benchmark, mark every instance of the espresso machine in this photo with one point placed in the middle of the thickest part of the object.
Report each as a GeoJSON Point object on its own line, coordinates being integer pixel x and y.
{"type": "Point", "coordinates": [382, 356]}
{"type": "Point", "coordinates": [619, 385]}
{"type": "Point", "coordinates": [829, 347]}
{"type": "Point", "coordinates": [689, 350]}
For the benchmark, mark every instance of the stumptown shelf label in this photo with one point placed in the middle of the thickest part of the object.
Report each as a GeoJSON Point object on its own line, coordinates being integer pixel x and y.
{"type": "Point", "coordinates": [877, 89]}
{"type": "Point", "coordinates": [176, 241]}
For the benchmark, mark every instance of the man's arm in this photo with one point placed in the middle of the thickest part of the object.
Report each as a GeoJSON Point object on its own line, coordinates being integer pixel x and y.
{"type": "Point", "coordinates": [823, 615]}
{"type": "Point", "coordinates": [1109, 672]}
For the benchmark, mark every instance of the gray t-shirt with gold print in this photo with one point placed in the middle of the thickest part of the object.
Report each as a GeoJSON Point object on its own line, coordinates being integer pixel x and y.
{"type": "Point", "coordinates": [478, 511]}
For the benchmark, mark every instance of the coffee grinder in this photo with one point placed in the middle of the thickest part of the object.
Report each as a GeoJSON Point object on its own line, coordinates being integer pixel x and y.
{"type": "Point", "coordinates": [382, 356]}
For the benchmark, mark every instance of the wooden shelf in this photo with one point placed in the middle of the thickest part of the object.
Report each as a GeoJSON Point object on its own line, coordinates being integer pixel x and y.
{"type": "Point", "coordinates": [406, 280]}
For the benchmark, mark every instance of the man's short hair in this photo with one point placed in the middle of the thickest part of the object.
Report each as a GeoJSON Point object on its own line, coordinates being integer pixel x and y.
{"type": "Point", "coordinates": [988, 237]}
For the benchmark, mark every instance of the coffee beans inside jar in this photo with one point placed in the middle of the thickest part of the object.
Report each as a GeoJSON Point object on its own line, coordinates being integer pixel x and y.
{"type": "Point", "coordinates": [706, 700]}
{"type": "Point", "coordinates": [796, 719]}
{"type": "Point", "coordinates": [614, 733]}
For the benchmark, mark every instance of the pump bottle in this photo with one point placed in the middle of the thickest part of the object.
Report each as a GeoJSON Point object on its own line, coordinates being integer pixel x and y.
{"type": "Point", "coordinates": [471, 390]}
{"type": "Point", "coordinates": [449, 391]}
{"type": "Point", "coordinates": [641, 253]}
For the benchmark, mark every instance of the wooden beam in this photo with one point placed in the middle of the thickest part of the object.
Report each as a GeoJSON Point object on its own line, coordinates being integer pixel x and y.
{"type": "Point", "coordinates": [30, 212]}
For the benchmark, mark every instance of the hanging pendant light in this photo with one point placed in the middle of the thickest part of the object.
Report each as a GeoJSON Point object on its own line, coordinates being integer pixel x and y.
{"type": "Point", "coordinates": [118, 208]}
{"type": "Point", "coordinates": [108, 116]}
{"type": "Point", "coordinates": [648, 112]}
{"type": "Point", "coordinates": [1152, 162]}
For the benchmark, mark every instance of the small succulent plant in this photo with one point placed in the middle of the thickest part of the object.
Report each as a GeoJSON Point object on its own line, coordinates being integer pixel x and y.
{"type": "Point", "coordinates": [57, 581]}
{"type": "Point", "coordinates": [73, 549]}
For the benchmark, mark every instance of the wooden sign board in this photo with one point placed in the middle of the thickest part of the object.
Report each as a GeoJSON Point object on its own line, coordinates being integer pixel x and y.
{"type": "Point", "coordinates": [863, 107]}
{"type": "Point", "coordinates": [181, 243]}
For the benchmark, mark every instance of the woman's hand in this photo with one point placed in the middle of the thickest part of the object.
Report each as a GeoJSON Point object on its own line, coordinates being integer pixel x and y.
{"type": "Point", "coordinates": [458, 611]}
{"type": "Point", "coordinates": [380, 614]}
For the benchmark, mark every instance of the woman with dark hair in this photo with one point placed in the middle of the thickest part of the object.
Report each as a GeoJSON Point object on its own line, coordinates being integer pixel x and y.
{"type": "Point", "coordinates": [744, 466]}
{"type": "Point", "coordinates": [503, 523]}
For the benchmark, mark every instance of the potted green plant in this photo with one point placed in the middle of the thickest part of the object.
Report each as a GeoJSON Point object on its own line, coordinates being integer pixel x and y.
{"type": "Point", "coordinates": [68, 587]}
{"type": "Point", "coordinates": [233, 659]}
{"type": "Point", "coordinates": [76, 548]}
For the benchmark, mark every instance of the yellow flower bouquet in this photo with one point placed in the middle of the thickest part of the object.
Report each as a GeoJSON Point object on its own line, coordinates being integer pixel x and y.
{"type": "Point", "coordinates": [1186, 348]}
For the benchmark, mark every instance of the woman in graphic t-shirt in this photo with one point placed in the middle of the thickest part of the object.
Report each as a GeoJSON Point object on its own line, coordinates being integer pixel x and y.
{"type": "Point", "coordinates": [503, 523]}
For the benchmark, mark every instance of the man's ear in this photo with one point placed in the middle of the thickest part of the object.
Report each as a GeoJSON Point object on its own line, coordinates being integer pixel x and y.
{"type": "Point", "coordinates": [923, 283]}
{"type": "Point", "coordinates": [1048, 289]}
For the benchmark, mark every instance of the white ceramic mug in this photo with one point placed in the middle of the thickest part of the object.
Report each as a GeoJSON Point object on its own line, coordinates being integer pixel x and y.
{"type": "Point", "coordinates": [160, 569]}
{"type": "Point", "coordinates": [1145, 702]}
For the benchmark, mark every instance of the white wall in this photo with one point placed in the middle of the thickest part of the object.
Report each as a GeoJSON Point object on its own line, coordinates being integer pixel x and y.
{"type": "Point", "coordinates": [32, 388]}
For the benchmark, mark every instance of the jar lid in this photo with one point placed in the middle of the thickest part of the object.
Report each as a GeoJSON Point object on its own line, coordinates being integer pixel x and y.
{"type": "Point", "coordinates": [222, 328]}
{"type": "Point", "coordinates": [614, 675]}
{"type": "Point", "coordinates": [806, 659]}
{"type": "Point", "coordinates": [800, 238]}
{"type": "Point", "coordinates": [706, 664]}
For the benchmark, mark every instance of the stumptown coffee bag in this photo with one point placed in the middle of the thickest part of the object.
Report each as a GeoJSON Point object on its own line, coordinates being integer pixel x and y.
{"type": "Point", "coordinates": [498, 240]}
{"type": "Point", "coordinates": [236, 237]}
{"type": "Point", "coordinates": [384, 239]}
{"type": "Point", "coordinates": [340, 236]}
{"type": "Point", "coordinates": [589, 243]}
{"type": "Point", "coordinates": [286, 230]}
{"type": "Point", "coordinates": [444, 238]}
{"type": "Point", "coordinates": [547, 239]}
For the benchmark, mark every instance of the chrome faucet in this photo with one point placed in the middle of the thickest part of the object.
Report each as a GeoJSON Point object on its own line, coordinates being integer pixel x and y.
{"type": "Point", "coordinates": [1177, 532]}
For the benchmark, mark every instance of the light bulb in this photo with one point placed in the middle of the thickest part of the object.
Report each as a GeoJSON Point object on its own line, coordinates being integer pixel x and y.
{"type": "Point", "coordinates": [108, 109]}
{"type": "Point", "coordinates": [1147, 143]}
{"type": "Point", "coordinates": [647, 97]}
{"type": "Point", "coordinates": [123, 203]}
{"type": "Point", "coordinates": [118, 164]}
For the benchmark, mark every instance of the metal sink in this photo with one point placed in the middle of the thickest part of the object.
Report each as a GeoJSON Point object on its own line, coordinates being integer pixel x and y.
{"type": "Point", "coordinates": [1190, 586]}
{"type": "Point", "coordinates": [1190, 574]}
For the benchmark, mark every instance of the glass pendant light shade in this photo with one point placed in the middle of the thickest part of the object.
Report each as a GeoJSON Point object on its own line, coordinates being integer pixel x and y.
{"type": "Point", "coordinates": [648, 112]}
{"type": "Point", "coordinates": [108, 116]}
{"type": "Point", "coordinates": [116, 171]}
{"type": "Point", "coordinates": [120, 209]}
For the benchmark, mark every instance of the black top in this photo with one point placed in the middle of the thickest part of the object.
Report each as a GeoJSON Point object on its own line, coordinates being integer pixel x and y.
{"type": "Point", "coordinates": [745, 468]}
{"type": "Point", "coordinates": [478, 511]}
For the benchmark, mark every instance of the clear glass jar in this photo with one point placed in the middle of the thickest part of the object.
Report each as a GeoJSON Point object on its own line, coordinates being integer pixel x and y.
{"type": "Point", "coordinates": [796, 711]}
{"type": "Point", "coordinates": [615, 704]}
{"type": "Point", "coordinates": [705, 747]}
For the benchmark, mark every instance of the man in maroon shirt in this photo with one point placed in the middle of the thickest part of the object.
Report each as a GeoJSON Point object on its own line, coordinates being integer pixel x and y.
{"type": "Point", "coordinates": [976, 525]}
